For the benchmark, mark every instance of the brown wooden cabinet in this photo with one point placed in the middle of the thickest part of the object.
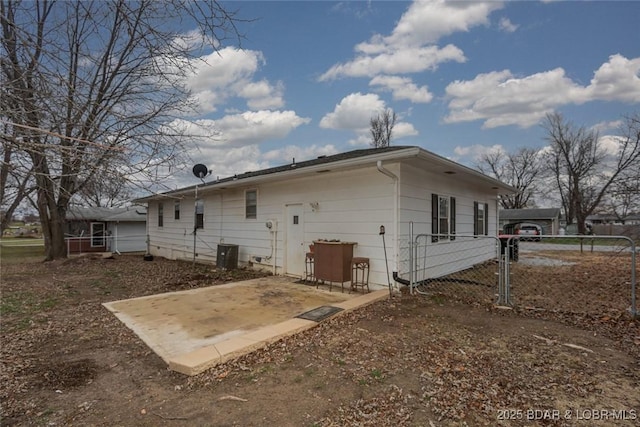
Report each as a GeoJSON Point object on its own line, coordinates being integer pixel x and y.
{"type": "Point", "coordinates": [333, 261]}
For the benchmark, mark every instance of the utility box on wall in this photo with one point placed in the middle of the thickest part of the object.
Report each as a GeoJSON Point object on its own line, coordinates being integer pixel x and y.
{"type": "Point", "coordinates": [227, 256]}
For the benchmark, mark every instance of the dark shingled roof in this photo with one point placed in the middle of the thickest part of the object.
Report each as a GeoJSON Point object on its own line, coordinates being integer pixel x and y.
{"type": "Point", "coordinates": [318, 161]}
{"type": "Point", "coordinates": [317, 164]}
{"type": "Point", "coordinates": [529, 214]}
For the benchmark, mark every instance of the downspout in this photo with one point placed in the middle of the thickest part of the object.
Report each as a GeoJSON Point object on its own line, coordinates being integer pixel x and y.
{"type": "Point", "coordinates": [497, 216]}
{"type": "Point", "coordinates": [396, 206]}
{"type": "Point", "coordinates": [274, 244]}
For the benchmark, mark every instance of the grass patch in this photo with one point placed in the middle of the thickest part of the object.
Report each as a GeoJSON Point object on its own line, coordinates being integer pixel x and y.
{"type": "Point", "coordinates": [13, 252]}
{"type": "Point", "coordinates": [12, 304]}
{"type": "Point", "coordinates": [24, 305]}
{"type": "Point", "coordinates": [377, 374]}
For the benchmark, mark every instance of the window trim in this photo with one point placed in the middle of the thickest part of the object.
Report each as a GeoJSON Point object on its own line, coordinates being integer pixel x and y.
{"type": "Point", "coordinates": [250, 210]}
{"type": "Point", "coordinates": [436, 236]}
{"type": "Point", "coordinates": [478, 228]}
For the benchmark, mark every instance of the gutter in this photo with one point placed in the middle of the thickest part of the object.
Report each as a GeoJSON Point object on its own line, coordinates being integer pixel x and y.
{"type": "Point", "coordinates": [396, 202]}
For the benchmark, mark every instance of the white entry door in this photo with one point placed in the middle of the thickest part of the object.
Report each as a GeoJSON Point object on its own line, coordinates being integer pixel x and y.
{"type": "Point", "coordinates": [295, 251]}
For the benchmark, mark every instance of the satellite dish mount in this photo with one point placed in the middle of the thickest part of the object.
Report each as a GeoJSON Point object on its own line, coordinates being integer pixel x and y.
{"type": "Point", "coordinates": [200, 171]}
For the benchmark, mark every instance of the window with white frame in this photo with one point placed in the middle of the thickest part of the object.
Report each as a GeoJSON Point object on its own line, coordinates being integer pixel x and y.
{"type": "Point", "coordinates": [480, 219]}
{"type": "Point", "coordinates": [176, 210]}
{"type": "Point", "coordinates": [443, 217]}
{"type": "Point", "coordinates": [160, 214]}
{"type": "Point", "coordinates": [251, 204]}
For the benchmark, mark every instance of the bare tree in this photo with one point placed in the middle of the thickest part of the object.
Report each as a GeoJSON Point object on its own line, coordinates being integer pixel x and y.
{"type": "Point", "coordinates": [90, 87]}
{"type": "Point", "coordinates": [582, 169]}
{"type": "Point", "coordinates": [16, 182]}
{"type": "Point", "coordinates": [521, 170]}
{"type": "Point", "coordinates": [623, 197]}
{"type": "Point", "coordinates": [381, 128]}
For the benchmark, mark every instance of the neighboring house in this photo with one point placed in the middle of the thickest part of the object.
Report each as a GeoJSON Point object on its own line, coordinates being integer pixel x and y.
{"type": "Point", "coordinates": [273, 215]}
{"type": "Point", "coordinates": [548, 218]}
{"type": "Point", "coordinates": [98, 229]}
{"type": "Point", "coordinates": [630, 219]}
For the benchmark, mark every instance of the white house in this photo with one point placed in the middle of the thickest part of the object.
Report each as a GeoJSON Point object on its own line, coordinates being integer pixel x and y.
{"type": "Point", "coordinates": [346, 197]}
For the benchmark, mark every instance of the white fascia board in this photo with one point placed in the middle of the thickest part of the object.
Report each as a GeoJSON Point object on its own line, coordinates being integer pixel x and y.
{"type": "Point", "coordinates": [462, 169]}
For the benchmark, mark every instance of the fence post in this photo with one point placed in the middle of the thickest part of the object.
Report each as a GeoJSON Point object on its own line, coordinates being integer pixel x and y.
{"type": "Point", "coordinates": [412, 273]}
{"type": "Point", "coordinates": [634, 310]}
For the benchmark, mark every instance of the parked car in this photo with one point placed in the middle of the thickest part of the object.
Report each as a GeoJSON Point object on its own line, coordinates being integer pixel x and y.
{"type": "Point", "coordinates": [528, 231]}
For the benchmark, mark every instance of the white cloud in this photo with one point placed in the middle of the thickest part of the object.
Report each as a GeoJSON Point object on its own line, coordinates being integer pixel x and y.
{"type": "Point", "coordinates": [361, 139]}
{"type": "Point", "coordinates": [506, 25]}
{"type": "Point", "coordinates": [474, 152]}
{"type": "Point", "coordinates": [250, 127]}
{"type": "Point", "coordinates": [616, 80]}
{"type": "Point", "coordinates": [610, 144]}
{"type": "Point", "coordinates": [602, 126]}
{"type": "Point", "coordinates": [428, 21]}
{"type": "Point", "coordinates": [286, 154]}
{"type": "Point", "coordinates": [194, 39]}
{"type": "Point", "coordinates": [230, 72]}
{"type": "Point", "coordinates": [225, 68]}
{"type": "Point", "coordinates": [395, 61]}
{"type": "Point", "coordinates": [228, 161]}
{"type": "Point", "coordinates": [500, 98]}
{"type": "Point", "coordinates": [402, 129]}
{"type": "Point", "coordinates": [403, 88]}
{"type": "Point", "coordinates": [353, 112]}
{"type": "Point", "coordinates": [253, 127]}
{"type": "Point", "coordinates": [262, 95]}
{"type": "Point", "coordinates": [411, 47]}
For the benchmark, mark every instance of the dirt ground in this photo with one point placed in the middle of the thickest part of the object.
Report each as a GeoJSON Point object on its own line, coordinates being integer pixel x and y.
{"type": "Point", "coordinates": [405, 361]}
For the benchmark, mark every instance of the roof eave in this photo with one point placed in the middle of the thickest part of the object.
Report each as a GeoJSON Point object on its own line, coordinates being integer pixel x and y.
{"type": "Point", "coordinates": [397, 155]}
{"type": "Point", "coordinates": [497, 185]}
{"type": "Point", "coordinates": [287, 174]}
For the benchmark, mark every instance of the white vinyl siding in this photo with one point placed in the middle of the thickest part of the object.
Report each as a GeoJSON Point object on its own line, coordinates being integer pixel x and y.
{"type": "Point", "coordinates": [349, 205]}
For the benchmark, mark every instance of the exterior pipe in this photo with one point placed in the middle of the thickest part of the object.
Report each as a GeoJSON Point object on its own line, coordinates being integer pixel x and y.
{"type": "Point", "coordinates": [395, 179]}
{"type": "Point", "coordinates": [274, 243]}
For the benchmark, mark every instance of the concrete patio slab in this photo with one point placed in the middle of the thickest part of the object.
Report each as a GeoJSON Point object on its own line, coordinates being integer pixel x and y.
{"type": "Point", "coordinates": [196, 329]}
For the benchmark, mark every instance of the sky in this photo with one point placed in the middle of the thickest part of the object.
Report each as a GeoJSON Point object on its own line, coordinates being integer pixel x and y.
{"type": "Point", "coordinates": [462, 77]}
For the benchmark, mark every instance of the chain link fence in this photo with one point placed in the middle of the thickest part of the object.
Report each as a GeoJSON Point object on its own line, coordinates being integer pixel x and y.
{"type": "Point", "coordinates": [583, 275]}
{"type": "Point", "coordinates": [464, 269]}
{"type": "Point", "coordinates": [587, 275]}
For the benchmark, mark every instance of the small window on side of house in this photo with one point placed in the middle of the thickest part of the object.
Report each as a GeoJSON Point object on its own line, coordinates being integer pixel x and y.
{"type": "Point", "coordinates": [480, 219]}
{"type": "Point", "coordinates": [160, 214]}
{"type": "Point", "coordinates": [176, 210]}
{"type": "Point", "coordinates": [199, 219]}
{"type": "Point", "coordinates": [251, 204]}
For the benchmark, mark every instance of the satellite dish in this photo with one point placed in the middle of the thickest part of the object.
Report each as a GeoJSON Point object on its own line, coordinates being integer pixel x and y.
{"type": "Point", "coordinates": [200, 171]}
